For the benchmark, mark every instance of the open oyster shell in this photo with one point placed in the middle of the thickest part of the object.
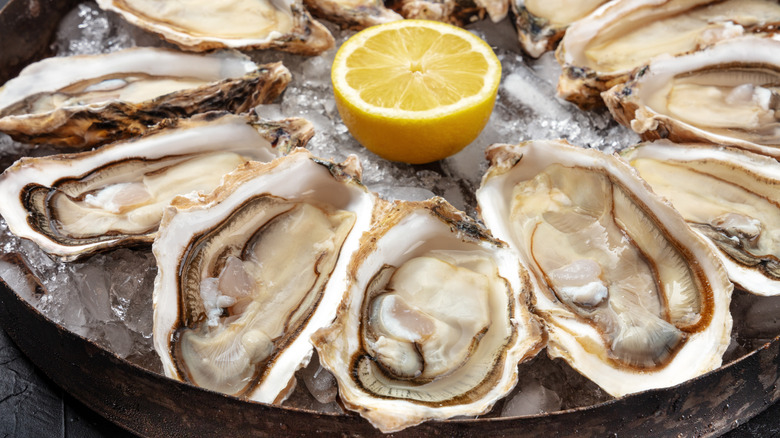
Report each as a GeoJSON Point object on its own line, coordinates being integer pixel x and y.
{"type": "Point", "coordinates": [541, 24]}
{"type": "Point", "coordinates": [434, 322]}
{"type": "Point", "coordinates": [603, 49]}
{"type": "Point", "coordinates": [73, 205]}
{"type": "Point", "coordinates": [87, 100]}
{"type": "Point", "coordinates": [630, 296]}
{"type": "Point", "coordinates": [726, 94]}
{"type": "Point", "coordinates": [239, 24]}
{"type": "Point", "coordinates": [248, 273]}
{"type": "Point", "coordinates": [729, 196]}
{"type": "Point", "coordinates": [457, 12]}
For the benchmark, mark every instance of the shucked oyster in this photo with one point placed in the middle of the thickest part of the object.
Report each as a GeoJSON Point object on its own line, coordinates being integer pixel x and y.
{"type": "Point", "coordinates": [240, 24]}
{"type": "Point", "coordinates": [73, 205]}
{"type": "Point", "coordinates": [541, 23]}
{"type": "Point", "coordinates": [434, 322]}
{"type": "Point", "coordinates": [729, 196]}
{"type": "Point", "coordinates": [83, 101]}
{"type": "Point", "coordinates": [726, 94]}
{"type": "Point", "coordinates": [602, 50]}
{"type": "Point", "coordinates": [246, 274]}
{"type": "Point", "coordinates": [631, 297]}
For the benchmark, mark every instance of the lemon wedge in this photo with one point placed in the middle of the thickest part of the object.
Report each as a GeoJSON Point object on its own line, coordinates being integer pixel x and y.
{"type": "Point", "coordinates": [415, 90]}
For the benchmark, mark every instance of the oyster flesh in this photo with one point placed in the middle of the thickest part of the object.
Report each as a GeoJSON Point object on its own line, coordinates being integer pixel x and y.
{"type": "Point", "coordinates": [603, 49]}
{"type": "Point", "coordinates": [435, 320]}
{"type": "Point", "coordinates": [729, 196]}
{"type": "Point", "coordinates": [630, 296]}
{"type": "Point", "coordinates": [727, 94]}
{"type": "Point", "coordinates": [541, 24]}
{"type": "Point", "coordinates": [76, 204]}
{"type": "Point", "coordinates": [200, 25]}
{"type": "Point", "coordinates": [248, 273]}
{"type": "Point", "coordinates": [87, 100]}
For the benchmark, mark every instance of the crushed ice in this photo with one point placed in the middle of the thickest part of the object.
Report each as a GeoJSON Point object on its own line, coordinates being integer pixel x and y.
{"type": "Point", "coordinates": [107, 298]}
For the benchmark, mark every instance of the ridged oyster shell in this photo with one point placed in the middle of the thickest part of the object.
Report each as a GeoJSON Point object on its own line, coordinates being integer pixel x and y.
{"type": "Point", "coordinates": [87, 100]}
{"type": "Point", "coordinates": [248, 273]}
{"type": "Point", "coordinates": [434, 322]}
{"type": "Point", "coordinates": [729, 196]}
{"type": "Point", "coordinates": [353, 14]}
{"type": "Point", "coordinates": [73, 205]}
{"type": "Point", "coordinates": [239, 24]}
{"type": "Point", "coordinates": [603, 49]}
{"type": "Point", "coordinates": [630, 296]}
{"type": "Point", "coordinates": [726, 94]}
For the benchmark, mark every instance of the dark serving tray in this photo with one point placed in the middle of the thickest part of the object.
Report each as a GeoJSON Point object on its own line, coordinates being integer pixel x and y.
{"type": "Point", "coordinates": [149, 404]}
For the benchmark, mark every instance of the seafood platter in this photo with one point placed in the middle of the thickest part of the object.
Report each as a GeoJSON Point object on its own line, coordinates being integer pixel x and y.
{"type": "Point", "coordinates": [193, 244]}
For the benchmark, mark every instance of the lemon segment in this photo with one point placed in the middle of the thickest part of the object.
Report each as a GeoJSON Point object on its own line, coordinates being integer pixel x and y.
{"type": "Point", "coordinates": [414, 90]}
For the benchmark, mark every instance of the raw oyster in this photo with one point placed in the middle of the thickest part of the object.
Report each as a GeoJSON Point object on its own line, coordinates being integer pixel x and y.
{"type": "Point", "coordinates": [87, 100]}
{"type": "Point", "coordinates": [729, 196]}
{"type": "Point", "coordinates": [246, 274]}
{"type": "Point", "coordinates": [631, 297]}
{"type": "Point", "coordinates": [240, 24]}
{"type": "Point", "coordinates": [457, 12]}
{"type": "Point", "coordinates": [602, 49]}
{"type": "Point", "coordinates": [353, 14]}
{"type": "Point", "coordinates": [541, 23]}
{"type": "Point", "coordinates": [73, 205]}
{"type": "Point", "coordinates": [434, 322]}
{"type": "Point", "coordinates": [726, 94]}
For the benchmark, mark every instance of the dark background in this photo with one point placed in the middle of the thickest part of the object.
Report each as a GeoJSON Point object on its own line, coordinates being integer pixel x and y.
{"type": "Point", "coordinates": [32, 406]}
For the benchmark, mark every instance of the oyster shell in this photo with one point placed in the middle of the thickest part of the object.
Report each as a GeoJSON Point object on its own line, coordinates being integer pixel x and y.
{"type": "Point", "coordinates": [630, 296]}
{"type": "Point", "coordinates": [76, 204]}
{"type": "Point", "coordinates": [729, 196]}
{"type": "Point", "coordinates": [541, 24]}
{"type": "Point", "coordinates": [457, 12]}
{"type": "Point", "coordinates": [246, 274]}
{"type": "Point", "coordinates": [87, 100]}
{"type": "Point", "coordinates": [238, 24]}
{"type": "Point", "coordinates": [603, 49]}
{"type": "Point", "coordinates": [726, 94]}
{"type": "Point", "coordinates": [434, 322]}
{"type": "Point", "coordinates": [353, 14]}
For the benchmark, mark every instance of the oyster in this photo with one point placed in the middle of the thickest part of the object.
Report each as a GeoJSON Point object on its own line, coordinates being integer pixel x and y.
{"type": "Point", "coordinates": [541, 24]}
{"type": "Point", "coordinates": [76, 204]}
{"type": "Point", "coordinates": [238, 24]}
{"type": "Point", "coordinates": [726, 94]}
{"type": "Point", "coordinates": [246, 274]}
{"type": "Point", "coordinates": [87, 100]}
{"type": "Point", "coordinates": [631, 297]}
{"type": "Point", "coordinates": [354, 14]}
{"type": "Point", "coordinates": [434, 322]}
{"type": "Point", "coordinates": [729, 196]}
{"type": "Point", "coordinates": [603, 49]}
{"type": "Point", "coordinates": [457, 12]}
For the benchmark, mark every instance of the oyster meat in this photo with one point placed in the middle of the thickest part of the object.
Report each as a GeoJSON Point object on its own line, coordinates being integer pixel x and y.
{"type": "Point", "coordinates": [603, 49]}
{"type": "Point", "coordinates": [87, 100]}
{"type": "Point", "coordinates": [75, 204]}
{"type": "Point", "coordinates": [434, 322]}
{"type": "Point", "coordinates": [630, 296]}
{"type": "Point", "coordinates": [541, 24]}
{"type": "Point", "coordinates": [248, 273]}
{"type": "Point", "coordinates": [729, 196]}
{"type": "Point", "coordinates": [240, 24]}
{"type": "Point", "coordinates": [727, 94]}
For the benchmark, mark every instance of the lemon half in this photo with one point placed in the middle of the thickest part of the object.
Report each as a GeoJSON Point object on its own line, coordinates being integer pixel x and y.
{"type": "Point", "coordinates": [415, 90]}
